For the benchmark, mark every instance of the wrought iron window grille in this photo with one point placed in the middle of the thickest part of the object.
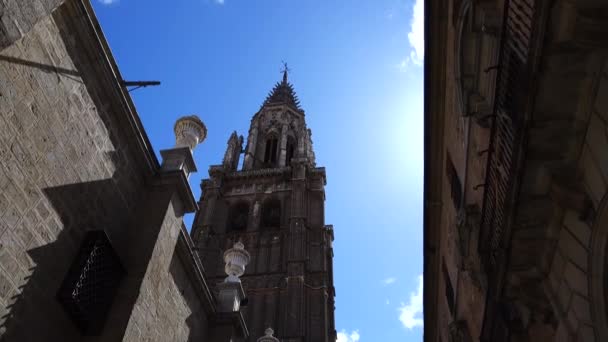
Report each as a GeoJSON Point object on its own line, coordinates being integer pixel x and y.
{"type": "Point", "coordinates": [91, 283]}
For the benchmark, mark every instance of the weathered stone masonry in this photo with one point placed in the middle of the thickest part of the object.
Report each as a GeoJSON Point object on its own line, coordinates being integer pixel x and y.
{"type": "Point", "coordinates": [516, 171]}
{"type": "Point", "coordinates": [74, 158]}
{"type": "Point", "coordinates": [92, 241]}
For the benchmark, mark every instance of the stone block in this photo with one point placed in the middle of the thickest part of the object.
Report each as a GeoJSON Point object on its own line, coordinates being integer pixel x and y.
{"type": "Point", "coordinates": [11, 217]}
{"type": "Point", "coordinates": [572, 320]}
{"type": "Point", "coordinates": [7, 261]}
{"type": "Point", "coordinates": [5, 286]}
{"type": "Point", "coordinates": [557, 267]}
{"type": "Point", "coordinates": [586, 334]}
{"type": "Point", "coordinates": [580, 306]}
{"type": "Point", "coordinates": [573, 250]}
{"type": "Point", "coordinates": [578, 228]}
{"type": "Point", "coordinates": [595, 185]}
{"type": "Point", "coordinates": [561, 334]}
{"type": "Point", "coordinates": [597, 143]}
{"type": "Point", "coordinates": [576, 279]}
{"type": "Point", "coordinates": [601, 99]}
{"type": "Point", "coordinates": [563, 296]}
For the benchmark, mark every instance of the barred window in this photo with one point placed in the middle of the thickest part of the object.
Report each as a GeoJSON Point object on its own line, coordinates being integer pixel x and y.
{"type": "Point", "coordinates": [90, 285]}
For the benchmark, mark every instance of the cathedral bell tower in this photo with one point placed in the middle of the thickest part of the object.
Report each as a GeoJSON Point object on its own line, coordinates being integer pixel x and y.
{"type": "Point", "coordinates": [275, 207]}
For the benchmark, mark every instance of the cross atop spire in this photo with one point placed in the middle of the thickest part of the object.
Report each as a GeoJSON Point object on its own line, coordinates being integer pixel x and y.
{"type": "Point", "coordinates": [285, 71]}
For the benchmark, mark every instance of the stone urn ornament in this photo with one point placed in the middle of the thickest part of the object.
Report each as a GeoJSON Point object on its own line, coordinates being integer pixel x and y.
{"type": "Point", "coordinates": [268, 336]}
{"type": "Point", "coordinates": [189, 132]}
{"type": "Point", "coordinates": [236, 259]}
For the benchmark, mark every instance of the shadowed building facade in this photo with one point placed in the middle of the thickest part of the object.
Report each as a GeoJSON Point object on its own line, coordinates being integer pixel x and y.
{"type": "Point", "coordinates": [516, 170]}
{"type": "Point", "coordinates": [92, 241]}
{"type": "Point", "coordinates": [274, 205]}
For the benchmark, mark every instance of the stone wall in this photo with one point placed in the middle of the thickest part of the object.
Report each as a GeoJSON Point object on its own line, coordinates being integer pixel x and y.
{"type": "Point", "coordinates": [73, 158]}
{"type": "Point", "coordinates": [65, 167]}
{"type": "Point", "coordinates": [577, 276]}
{"type": "Point", "coordinates": [168, 303]}
{"type": "Point", "coordinates": [463, 139]}
{"type": "Point", "coordinates": [17, 18]}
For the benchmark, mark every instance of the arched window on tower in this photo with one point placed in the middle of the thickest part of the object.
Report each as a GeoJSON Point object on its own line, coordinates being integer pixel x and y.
{"type": "Point", "coordinates": [291, 147]}
{"type": "Point", "coordinates": [271, 214]}
{"type": "Point", "coordinates": [270, 154]}
{"type": "Point", "coordinates": [238, 217]}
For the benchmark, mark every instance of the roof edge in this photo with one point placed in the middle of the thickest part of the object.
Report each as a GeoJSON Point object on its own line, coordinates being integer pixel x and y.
{"type": "Point", "coordinates": [435, 25]}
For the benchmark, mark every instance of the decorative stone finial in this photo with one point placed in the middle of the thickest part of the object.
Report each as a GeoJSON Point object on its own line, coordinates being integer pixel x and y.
{"type": "Point", "coordinates": [268, 337]}
{"type": "Point", "coordinates": [285, 71]}
{"type": "Point", "coordinates": [236, 258]}
{"type": "Point", "coordinates": [189, 132]}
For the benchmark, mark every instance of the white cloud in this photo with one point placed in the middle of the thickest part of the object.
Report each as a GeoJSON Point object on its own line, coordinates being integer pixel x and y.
{"type": "Point", "coordinates": [343, 336]}
{"type": "Point", "coordinates": [416, 34]}
{"type": "Point", "coordinates": [389, 280]}
{"type": "Point", "coordinates": [108, 2]}
{"type": "Point", "coordinates": [411, 314]}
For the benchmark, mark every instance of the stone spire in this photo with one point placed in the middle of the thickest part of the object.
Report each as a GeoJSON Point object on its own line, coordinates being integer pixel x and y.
{"type": "Point", "coordinates": [233, 151]}
{"type": "Point", "coordinates": [283, 93]}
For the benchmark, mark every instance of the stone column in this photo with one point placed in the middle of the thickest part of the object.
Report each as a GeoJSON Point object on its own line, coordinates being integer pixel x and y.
{"type": "Point", "coordinates": [283, 148]}
{"type": "Point", "coordinates": [167, 197]}
{"type": "Point", "coordinates": [301, 143]}
{"type": "Point", "coordinates": [229, 323]}
{"type": "Point", "coordinates": [251, 145]}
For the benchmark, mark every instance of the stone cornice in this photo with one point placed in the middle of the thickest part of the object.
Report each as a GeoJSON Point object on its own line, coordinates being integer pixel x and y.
{"type": "Point", "coordinates": [259, 173]}
{"type": "Point", "coordinates": [193, 264]}
{"type": "Point", "coordinates": [179, 180]}
{"type": "Point", "coordinates": [319, 171]}
{"type": "Point", "coordinates": [436, 23]}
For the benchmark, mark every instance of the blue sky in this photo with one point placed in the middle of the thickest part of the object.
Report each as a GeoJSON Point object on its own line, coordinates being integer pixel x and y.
{"type": "Point", "coordinates": [357, 69]}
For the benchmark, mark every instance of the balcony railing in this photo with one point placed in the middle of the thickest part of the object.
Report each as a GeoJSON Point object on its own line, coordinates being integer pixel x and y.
{"type": "Point", "coordinates": [511, 91]}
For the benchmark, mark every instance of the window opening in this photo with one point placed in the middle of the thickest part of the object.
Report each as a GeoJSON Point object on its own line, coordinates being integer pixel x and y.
{"type": "Point", "coordinates": [271, 214]}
